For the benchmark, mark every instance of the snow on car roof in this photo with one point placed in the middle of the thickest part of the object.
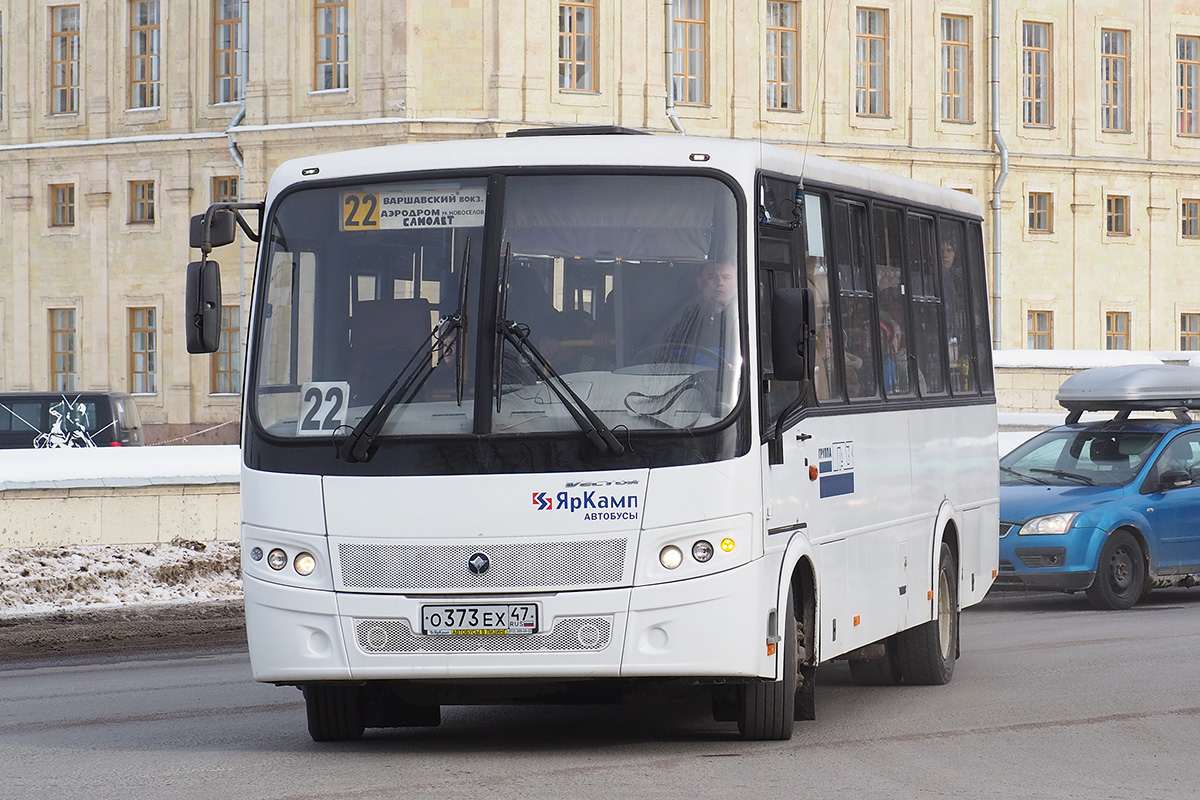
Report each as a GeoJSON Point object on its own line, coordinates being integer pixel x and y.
{"type": "Point", "coordinates": [1153, 387]}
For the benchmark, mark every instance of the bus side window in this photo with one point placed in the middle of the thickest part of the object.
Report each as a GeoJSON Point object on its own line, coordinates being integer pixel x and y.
{"type": "Point", "coordinates": [952, 252]}
{"type": "Point", "coordinates": [775, 271]}
{"type": "Point", "coordinates": [928, 342]}
{"type": "Point", "coordinates": [856, 300]}
{"type": "Point", "coordinates": [977, 278]}
{"type": "Point", "coordinates": [827, 373]}
{"type": "Point", "coordinates": [890, 287]}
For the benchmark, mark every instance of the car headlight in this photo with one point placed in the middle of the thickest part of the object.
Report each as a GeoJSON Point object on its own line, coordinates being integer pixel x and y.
{"type": "Point", "coordinates": [1049, 524]}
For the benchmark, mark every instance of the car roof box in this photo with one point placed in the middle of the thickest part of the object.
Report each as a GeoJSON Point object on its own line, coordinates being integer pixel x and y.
{"type": "Point", "coordinates": [1132, 387]}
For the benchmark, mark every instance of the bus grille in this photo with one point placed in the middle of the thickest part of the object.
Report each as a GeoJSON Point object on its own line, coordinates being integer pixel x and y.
{"type": "Point", "coordinates": [395, 636]}
{"type": "Point", "coordinates": [393, 567]}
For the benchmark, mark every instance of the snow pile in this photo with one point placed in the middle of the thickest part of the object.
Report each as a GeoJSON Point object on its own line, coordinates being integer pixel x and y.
{"type": "Point", "coordinates": [37, 580]}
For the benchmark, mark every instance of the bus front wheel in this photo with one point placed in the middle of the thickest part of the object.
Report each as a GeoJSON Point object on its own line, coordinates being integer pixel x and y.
{"type": "Point", "coordinates": [926, 653]}
{"type": "Point", "coordinates": [335, 711]}
{"type": "Point", "coordinates": [766, 710]}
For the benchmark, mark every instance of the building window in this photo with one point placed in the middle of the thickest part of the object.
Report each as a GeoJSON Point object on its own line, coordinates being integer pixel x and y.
{"type": "Point", "coordinates": [143, 350]}
{"type": "Point", "coordinates": [1187, 85]}
{"type": "Point", "coordinates": [577, 45]}
{"type": "Point", "coordinates": [1041, 216]}
{"type": "Point", "coordinates": [333, 45]}
{"type": "Point", "coordinates": [870, 63]}
{"type": "Point", "coordinates": [1189, 218]}
{"type": "Point", "coordinates": [62, 205]}
{"type": "Point", "coordinates": [956, 69]}
{"type": "Point", "coordinates": [62, 350]}
{"type": "Point", "coordinates": [1035, 74]}
{"type": "Point", "coordinates": [145, 43]}
{"type": "Point", "coordinates": [1116, 330]}
{"type": "Point", "coordinates": [1039, 327]}
{"type": "Point", "coordinates": [141, 201]}
{"type": "Point", "coordinates": [689, 33]}
{"type": "Point", "coordinates": [1116, 214]}
{"type": "Point", "coordinates": [1114, 81]}
{"type": "Point", "coordinates": [783, 65]}
{"type": "Point", "coordinates": [225, 189]}
{"type": "Point", "coordinates": [229, 41]}
{"type": "Point", "coordinates": [1189, 331]}
{"type": "Point", "coordinates": [227, 360]}
{"type": "Point", "coordinates": [64, 60]}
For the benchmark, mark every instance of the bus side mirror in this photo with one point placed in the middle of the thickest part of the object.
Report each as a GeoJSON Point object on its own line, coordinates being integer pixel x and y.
{"type": "Point", "coordinates": [221, 230]}
{"type": "Point", "coordinates": [793, 339]}
{"type": "Point", "coordinates": [203, 304]}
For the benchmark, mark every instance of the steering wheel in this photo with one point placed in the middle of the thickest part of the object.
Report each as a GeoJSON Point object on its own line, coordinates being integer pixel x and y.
{"type": "Point", "coordinates": [681, 353]}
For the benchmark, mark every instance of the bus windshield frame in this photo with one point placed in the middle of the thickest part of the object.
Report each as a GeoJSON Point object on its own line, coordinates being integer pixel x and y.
{"type": "Point", "coordinates": [415, 292]}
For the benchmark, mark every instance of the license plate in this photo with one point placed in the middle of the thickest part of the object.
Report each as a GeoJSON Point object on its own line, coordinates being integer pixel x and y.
{"type": "Point", "coordinates": [490, 620]}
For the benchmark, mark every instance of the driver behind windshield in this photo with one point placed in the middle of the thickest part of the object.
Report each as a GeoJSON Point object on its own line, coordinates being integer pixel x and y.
{"type": "Point", "coordinates": [705, 327]}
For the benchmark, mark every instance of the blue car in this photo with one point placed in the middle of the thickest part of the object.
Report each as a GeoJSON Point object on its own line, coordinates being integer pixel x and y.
{"type": "Point", "coordinates": [1111, 508]}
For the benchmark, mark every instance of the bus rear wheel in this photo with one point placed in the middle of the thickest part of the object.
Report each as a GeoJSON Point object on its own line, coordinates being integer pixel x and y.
{"type": "Point", "coordinates": [926, 653]}
{"type": "Point", "coordinates": [766, 710]}
{"type": "Point", "coordinates": [335, 711]}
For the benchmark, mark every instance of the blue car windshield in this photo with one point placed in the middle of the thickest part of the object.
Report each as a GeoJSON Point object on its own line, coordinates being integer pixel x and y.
{"type": "Point", "coordinates": [1093, 457]}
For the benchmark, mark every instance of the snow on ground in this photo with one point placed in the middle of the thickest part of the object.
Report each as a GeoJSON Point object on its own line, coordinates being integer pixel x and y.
{"type": "Point", "coordinates": [38, 580]}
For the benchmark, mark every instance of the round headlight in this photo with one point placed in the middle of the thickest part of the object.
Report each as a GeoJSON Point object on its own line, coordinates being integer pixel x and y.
{"type": "Point", "coordinates": [304, 564]}
{"type": "Point", "coordinates": [277, 559]}
{"type": "Point", "coordinates": [256, 554]}
{"type": "Point", "coordinates": [702, 551]}
{"type": "Point", "coordinates": [670, 557]}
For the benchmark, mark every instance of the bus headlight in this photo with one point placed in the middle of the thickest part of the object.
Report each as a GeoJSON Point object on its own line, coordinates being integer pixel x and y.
{"type": "Point", "coordinates": [277, 559]}
{"type": "Point", "coordinates": [304, 564]}
{"type": "Point", "coordinates": [670, 556]}
{"type": "Point", "coordinates": [702, 551]}
{"type": "Point", "coordinates": [1049, 524]}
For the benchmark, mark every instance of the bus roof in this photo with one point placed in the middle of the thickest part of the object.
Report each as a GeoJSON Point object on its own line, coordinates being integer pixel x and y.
{"type": "Point", "coordinates": [740, 157]}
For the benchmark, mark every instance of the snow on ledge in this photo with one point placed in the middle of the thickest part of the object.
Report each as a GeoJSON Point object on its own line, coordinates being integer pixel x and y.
{"type": "Point", "coordinates": [73, 468]}
{"type": "Point", "coordinates": [1076, 359]}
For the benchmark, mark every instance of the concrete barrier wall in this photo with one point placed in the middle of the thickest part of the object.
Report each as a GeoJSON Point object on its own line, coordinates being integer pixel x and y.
{"type": "Point", "coordinates": [119, 515]}
{"type": "Point", "coordinates": [132, 495]}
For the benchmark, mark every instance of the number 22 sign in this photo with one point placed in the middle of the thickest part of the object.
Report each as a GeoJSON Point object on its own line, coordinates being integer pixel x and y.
{"type": "Point", "coordinates": [322, 407]}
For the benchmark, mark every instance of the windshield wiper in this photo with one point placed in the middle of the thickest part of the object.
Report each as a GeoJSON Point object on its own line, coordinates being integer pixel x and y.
{"type": "Point", "coordinates": [449, 336]}
{"type": "Point", "coordinates": [1022, 475]}
{"type": "Point", "coordinates": [1058, 473]}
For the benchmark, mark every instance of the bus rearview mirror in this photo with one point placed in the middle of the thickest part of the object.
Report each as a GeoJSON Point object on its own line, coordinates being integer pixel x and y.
{"type": "Point", "coordinates": [203, 304]}
{"type": "Point", "coordinates": [221, 232]}
{"type": "Point", "coordinates": [792, 336]}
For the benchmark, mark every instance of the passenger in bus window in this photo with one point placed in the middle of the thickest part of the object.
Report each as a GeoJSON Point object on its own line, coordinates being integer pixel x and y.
{"type": "Point", "coordinates": [952, 290]}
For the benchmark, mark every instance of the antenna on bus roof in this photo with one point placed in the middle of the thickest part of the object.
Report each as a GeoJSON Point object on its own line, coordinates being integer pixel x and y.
{"type": "Point", "coordinates": [812, 117]}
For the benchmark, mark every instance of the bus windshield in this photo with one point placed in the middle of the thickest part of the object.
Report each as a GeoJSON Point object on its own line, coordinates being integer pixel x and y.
{"type": "Point", "coordinates": [618, 293]}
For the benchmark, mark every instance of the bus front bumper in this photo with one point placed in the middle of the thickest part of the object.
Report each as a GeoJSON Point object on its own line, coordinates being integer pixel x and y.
{"type": "Point", "coordinates": [711, 626]}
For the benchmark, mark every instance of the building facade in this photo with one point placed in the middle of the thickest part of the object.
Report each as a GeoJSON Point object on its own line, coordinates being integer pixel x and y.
{"type": "Point", "coordinates": [1077, 125]}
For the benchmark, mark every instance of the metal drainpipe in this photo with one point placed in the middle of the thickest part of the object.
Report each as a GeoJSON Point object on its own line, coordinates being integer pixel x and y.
{"type": "Point", "coordinates": [997, 251]}
{"type": "Point", "coordinates": [236, 154]}
{"type": "Point", "coordinates": [669, 71]}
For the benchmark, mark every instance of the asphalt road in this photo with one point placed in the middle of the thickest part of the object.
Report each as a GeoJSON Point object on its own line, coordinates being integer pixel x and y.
{"type": "Point", "coordinates": [1050, 700]}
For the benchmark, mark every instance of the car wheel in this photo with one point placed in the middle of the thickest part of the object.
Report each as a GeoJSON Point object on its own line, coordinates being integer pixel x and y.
{"type": "Point", "coordinates": [1120, 573]}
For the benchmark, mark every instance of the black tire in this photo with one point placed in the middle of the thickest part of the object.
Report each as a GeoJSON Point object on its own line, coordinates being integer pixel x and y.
{"type": "Point", "coordinates": [883, 671]}
{"type": "Point", "coordinates": [1120, 573]}
{"type": "Point", "coordinates": [926, 653]}
{"type": "Point", "coordinates": [766, 710]}
{"type": "Point", "coordinates": [335, 712]}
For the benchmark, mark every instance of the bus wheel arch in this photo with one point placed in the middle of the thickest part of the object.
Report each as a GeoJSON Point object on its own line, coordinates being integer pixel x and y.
{"type": "Point", "coordinates": [804, 590]}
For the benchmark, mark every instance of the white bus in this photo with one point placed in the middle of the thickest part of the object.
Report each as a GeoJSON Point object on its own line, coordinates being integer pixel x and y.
{"type": "Point", "coordinates": [563, 416]}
